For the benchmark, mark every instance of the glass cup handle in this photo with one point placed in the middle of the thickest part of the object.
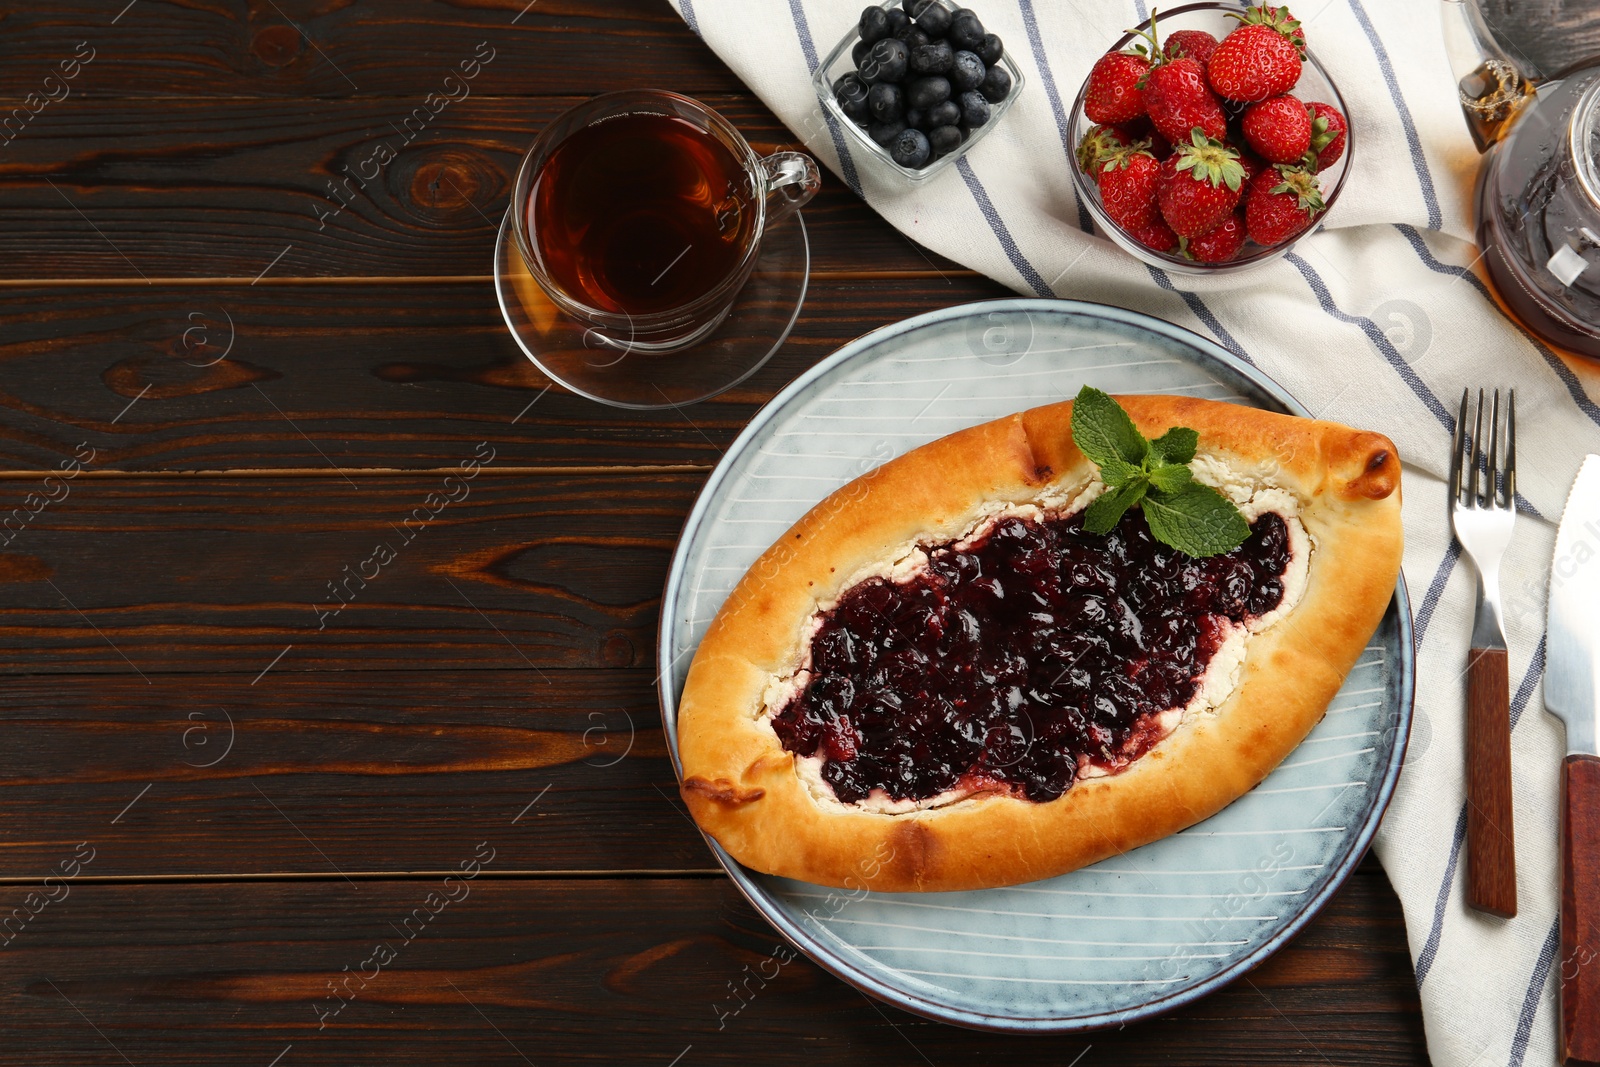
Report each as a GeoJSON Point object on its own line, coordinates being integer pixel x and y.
{"type": "Point", "coordinates": [791, 179]}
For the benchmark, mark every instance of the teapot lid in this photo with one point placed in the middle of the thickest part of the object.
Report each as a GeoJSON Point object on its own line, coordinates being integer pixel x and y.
{"type": "Point", "coordinates": [1584, 136]}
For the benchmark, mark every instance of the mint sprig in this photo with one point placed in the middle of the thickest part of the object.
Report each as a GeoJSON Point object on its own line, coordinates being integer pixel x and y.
{"type": "Point", "coordinates": [1191, 517]}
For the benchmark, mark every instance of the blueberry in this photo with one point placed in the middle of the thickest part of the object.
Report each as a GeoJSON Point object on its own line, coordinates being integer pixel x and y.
{"type": "Point", "coordinates": [974, 108]}
{"type": "Point", "coordinates": [916, 119]}
{"type": "Point", "coordinates": [911, 37]}
{"type": "Point", "coordinates": [934, 20]}
{"type": "Point", "coordinates": [968, 71]}
{"type": "Point", "coordinates": [944, 139]}
{"type": "Point", "coordinates": [996, 85]}
{"type": "Point", "coordinates": [911, 149]}
{"type": "Point", "coordinates": [898, 20]}
{"type": "Point", "coordinates": [859, 50]}
{"type": "Point", "coordinates": [851, 92]}
{"type": "Point", "coordinates": [885, 132]}
{"type": "Point", "coordinates": [936, 57]}
{"type": "Point", "coordinates": [945, 114]}
{"type": "Point", "coordinates": [990, 50]}
{"type": "Point", "coordinates": [874, 24]}
{"type": "Point", "coordinates": [885, 62]}
{"type": "Point", "coordinates": [886, 101]}
{"type": "Point", "coordinates": [966, 31]}
{"type": "Point", "coordinates": [926, 92]}
{"type": "Point", "coordinates": [916, 7]}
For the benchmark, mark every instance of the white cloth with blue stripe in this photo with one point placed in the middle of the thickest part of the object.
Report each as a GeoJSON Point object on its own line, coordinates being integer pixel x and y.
{"type": "Point", "coordinates": [1374, 321]}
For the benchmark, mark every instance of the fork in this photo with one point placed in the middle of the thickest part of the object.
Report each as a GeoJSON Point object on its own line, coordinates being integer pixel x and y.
{"type": "Point", "coordinates": [1483, 488]}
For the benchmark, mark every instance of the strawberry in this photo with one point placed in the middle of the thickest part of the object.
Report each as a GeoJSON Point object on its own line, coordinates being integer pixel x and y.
{"type": "Point", "coordinates": [1157, 235]}
{"type": "Point", "coordinates": [1252, 163]}
{"type": "Point", "coordinates": [1098, 144]}
{"type": "Point", "coordinates": [1218, 244]}
{"type": "Point", "coordinates": [1279, 129]}
{"type": "Point", "coordinates": [1260, 59]}
{"type": "Point", "coordinates": [1116, 88]}
{"type": "Point", "coordinates": [1196, 44]}
{"type": "Point", "coordinates": [1142, 129]}
{"type": "Point", "coordinates": [1128, 186]}
{"type": "Point", "coordinates": [1328, 130]}
{"type": "Point", "coordinates": [1297, 33]}
{"type": "Point", "coordinates": [1281, 203]}
{"type": "Point", "coordinates": [1179, 100]}
{"type": "Point", "coordinates": [1200, 185]}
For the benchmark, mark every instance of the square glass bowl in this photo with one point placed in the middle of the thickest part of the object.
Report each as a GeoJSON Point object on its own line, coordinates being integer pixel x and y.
{"type": "Point", "coordinates": [1316, 84]}
{"type": "Point", "coordinates": [838, 63]}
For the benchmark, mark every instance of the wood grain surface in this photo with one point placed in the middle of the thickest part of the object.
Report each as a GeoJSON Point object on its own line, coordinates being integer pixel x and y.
{"type": "Point", "coordinates": [523, 570]}
{"type": "Point", "coordinates": [330, 773]}
{"type": "Point", "coordinates": [302, 49]}
{"type": "Point", "coordinates": [592, 970]}
{"type": "Point", "coordinates": [1545, 36]}
{"type": "Point", "coordinates": [226, 377]}
{"type": "Point", "coordinates": [398, 376]}
{"type": "Point", "coordinates": [222, 188]}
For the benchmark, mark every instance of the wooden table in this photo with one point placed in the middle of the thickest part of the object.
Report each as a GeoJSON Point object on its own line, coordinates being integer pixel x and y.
{"type": "Point", "coordinates": [230, 812]}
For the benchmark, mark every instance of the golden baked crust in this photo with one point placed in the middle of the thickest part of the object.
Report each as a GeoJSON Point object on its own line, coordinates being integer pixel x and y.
{"type": "Point", "coordinates": [743, 788]}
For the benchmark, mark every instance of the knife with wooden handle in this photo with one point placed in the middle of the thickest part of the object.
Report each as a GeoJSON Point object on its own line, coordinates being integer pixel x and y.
{"type": "Point", "coordinates": [1572, 694]}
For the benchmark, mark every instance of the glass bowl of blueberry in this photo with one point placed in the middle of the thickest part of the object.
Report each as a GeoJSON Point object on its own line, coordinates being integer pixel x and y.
{"type": "Point", "coordinates": [918, 83]}
{"type": "Point", "coordinates": [1210, 139]}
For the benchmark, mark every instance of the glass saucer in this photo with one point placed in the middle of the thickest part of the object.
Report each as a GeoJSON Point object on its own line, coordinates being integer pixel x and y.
{"type": "Point", "coordinates": [572, 356]}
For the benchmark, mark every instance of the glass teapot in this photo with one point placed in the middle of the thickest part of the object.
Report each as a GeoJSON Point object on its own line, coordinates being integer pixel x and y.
{"type": "Point", "coordinates": [1538, 194]}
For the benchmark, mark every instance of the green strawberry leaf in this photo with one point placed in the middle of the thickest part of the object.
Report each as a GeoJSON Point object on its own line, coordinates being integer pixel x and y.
{"type": "Point", "coordinates": [1177, 445]}
{"type": "Point", "coordinates": [1103, 431]}
{"type": "Point", "coordinates": [1173, 478]}
{"type": "Point", "coordinates": [1197, 521]}
{"type": "Point", "coordinates": [1103, 514]}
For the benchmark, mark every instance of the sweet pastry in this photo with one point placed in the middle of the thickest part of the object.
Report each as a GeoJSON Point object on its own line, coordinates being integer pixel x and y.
{"type": "Point", "coordinates": [938, 679]}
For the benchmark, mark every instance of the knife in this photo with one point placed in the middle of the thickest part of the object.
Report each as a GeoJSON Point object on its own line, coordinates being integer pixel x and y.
{"type": "Point", "coordinates": [1572, 694]}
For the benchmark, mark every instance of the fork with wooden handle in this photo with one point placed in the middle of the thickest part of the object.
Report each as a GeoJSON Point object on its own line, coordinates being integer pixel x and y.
{"type": "Point", "coordinates": [1483, 510]}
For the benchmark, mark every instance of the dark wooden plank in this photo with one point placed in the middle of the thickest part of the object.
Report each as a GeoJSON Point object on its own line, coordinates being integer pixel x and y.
{"type": "Point", "coordinates": [299, 48]}
{"type": "Point", "coordinates": [607, 971]}
{"type": "Point", "coordinates": [327, 772]}
{"type": "Point", "coordinates": [224, 188]}
{"type": "Point", "coordinates": [346, 771]}
{"type": "Point", "coordinates": [402, 376]}
{"type": "Point", "coordinates": [1546, 36]}
{"type": "Point", "coordinates": [206, 574]}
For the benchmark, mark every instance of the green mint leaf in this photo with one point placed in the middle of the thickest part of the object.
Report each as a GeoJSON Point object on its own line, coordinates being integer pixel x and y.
{"type": "Point", "coordinates": [1102, 515]}
{"type": "Point", "coordinates": [1177, 445]}
{"type": "Point", "coordinates": [1171, 478]}
{"type": "Point", "coordinates": [1104, 433]}
{"type": "Point", "coordinates": [1115, 473]}
{"type": "Point", "coordinates": [1197, 521]}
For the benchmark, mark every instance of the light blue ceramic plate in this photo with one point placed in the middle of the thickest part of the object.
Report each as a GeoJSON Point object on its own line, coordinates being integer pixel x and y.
{"type": "Point", "coordinates": [1133, 936]}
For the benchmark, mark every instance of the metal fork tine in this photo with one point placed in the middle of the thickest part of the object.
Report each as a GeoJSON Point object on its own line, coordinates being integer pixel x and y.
{"type": "Point", "coordinates": [1458, 444]}
{"type": "Point", "coordinates": [1473, 497]}
{"type": "Point", "coordinates": [1491, 491]}
{"type": "Point", "coordinates": [1511, 449]}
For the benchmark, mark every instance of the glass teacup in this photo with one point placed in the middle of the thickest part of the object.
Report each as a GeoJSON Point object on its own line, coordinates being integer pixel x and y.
{"type": "Point", "coordinates": [641, 215]}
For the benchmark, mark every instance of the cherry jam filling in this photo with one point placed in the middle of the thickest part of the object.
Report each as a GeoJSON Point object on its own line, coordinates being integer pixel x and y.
{"type": "Point", "coordinates": [1002, 663]}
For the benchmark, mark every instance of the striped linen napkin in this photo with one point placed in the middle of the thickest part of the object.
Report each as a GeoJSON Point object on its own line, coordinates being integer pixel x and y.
{"type": "Point", "coordinates": [1375, 321]}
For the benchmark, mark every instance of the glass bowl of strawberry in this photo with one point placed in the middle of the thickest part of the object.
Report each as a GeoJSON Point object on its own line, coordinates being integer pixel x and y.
{"type": "Point", "coordinates": [1210, 138]}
